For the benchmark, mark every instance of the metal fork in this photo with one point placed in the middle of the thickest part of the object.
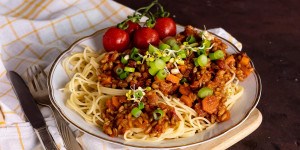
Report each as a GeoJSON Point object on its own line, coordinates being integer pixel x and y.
{"type": "Point", "coordinates": [37, 84]}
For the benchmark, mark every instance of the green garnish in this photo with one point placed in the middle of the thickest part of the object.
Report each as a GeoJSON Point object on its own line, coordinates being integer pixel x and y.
{"type": "Point", "coordinates": [129, 69]}
{"type": "Point", "coordinates": [164, 46]}
{"type": "Point", "coordinates": [202, 60]}
{"type": "Point", "coordinates": [183, 80]}
{"type": "Point", "coordinates": [134, 54]}
{"type": "Point", "coordinates": [124, 59]}
{"type": "Point", "coordinates": [171, 41]}
{"type": "Point", "coordinates": [181, 54]}
{"type": "Point", "coordinates": [124, 75]}
{"type": "Point", "coordinates": [216, 55]}
{"type": "Point", "coordinates": [190, 39]}
{"type": "Point", "coordinates": [152, 49]}
{"type": "Point", "coordinates": [203, 92]}
{"type": "Point", "coordinates": [138, 94]}
{"type": "Point", "coordinates": [119, 71]}
{"type": "Point", "coordinates": [196, 62]}
{"type": "Point", "coordinates": [162, 74]}
{"type": "Point", "coordinates": [153, 71]}
{"type": "Point", "coordinates": [206, 43]}
{"type": "Point", "coordinates": [175, 47]}
{"type": "Point", "coordinates": [157, 114]}
{"type": "Point", "coordinates": [201, 51]}
{"type": "Point", "coordinates": [166, 58]}
{"type": "Point", "coordinates": [158, 64]}
{"type": "Point", "coordinates": [136, 112]}
{"type": "Point", "coordinates": [141, 105]}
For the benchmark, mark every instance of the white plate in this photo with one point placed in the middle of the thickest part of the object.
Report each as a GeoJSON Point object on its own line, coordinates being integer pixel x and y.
{"type": "Point", "coordinates": [239, 113]}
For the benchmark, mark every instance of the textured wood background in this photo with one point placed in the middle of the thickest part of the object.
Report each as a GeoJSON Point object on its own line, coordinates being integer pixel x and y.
{"type": "Point", "coordinates": [270, 33]}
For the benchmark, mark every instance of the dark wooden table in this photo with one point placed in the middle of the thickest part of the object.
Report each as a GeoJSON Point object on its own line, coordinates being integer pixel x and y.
{"type": "Point", "coordinates": [270, 33]}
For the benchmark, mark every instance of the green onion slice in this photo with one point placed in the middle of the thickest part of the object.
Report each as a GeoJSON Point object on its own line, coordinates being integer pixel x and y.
{"type": "Point", "coordinates": [153, 71]}
{"type": "Point", "coordinates": [164, 46]}
{"type": "Point", "coordinates": [206, 43]}
{"type": "Point", "coordinates": [202, 60]}
{"type": "Point", "coordinates": [124, 75]}
{"type": "Point", "coordinates": [158, 64]}
{"type": "Point", "coordinates": [201, 51]}
{"type": "Point", "coordinates": [200, 34]}
{"type": "Point", "coordinates": [138, 94]}
{"type": "Point", "coordinates": [216, 55]}
{"type": "Point", "coordinates": [157, 114]}
{"type": "Point", "coordinates": [203, 92]}
{"type": "Point", "coordinates": [166, 58]}
{"type": "Point", "coordinates": [182, 54]}
{"type": "Point", "coordinates": [134, 55]}
{"type": "Point", "coordinates": [196, 62]}
{"type": "Point", "coordinates": [141, 105]}
{"type": "Point", "coordinates": [124, 59]}
{"type": "Point", "coordinates": [129, 69]}
{"type": "Point", "coordinates": [136, 112]}
{"type": "Point", "coordinates": [175, 47]}
{"type": "Point", "coordinates": [190, 39]}
{"type": "Point", "coordinates": [152, 49]}
{"type": "Point", "coordinates": [194, 44]}
{"type": "Point", "coordinates": [119, 71]}
{"type": "Point", "coordinates": [162, 74]}
{"type": "Point", "coordinates": [183, 80]}
{"type": "Point", "coordinates": [171, 41]}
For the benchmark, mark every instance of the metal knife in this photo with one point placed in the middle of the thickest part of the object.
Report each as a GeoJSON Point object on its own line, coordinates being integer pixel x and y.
{"type": "Point", "coordinates": [32, 112]}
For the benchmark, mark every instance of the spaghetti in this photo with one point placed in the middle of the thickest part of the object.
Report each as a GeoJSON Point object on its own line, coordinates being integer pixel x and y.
{"type": "Point", "coordinates": [87, 97]}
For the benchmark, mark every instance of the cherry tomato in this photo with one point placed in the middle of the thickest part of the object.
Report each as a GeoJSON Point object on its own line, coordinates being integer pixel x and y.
{"type": "Point", "coordinates": [165, 27]}
{"type": "Point", "coordinates": [132, 27]}
{"type": "Point", "coordinates": [145, 36]}
{"type": "Point", "coordinates": [115, 39]}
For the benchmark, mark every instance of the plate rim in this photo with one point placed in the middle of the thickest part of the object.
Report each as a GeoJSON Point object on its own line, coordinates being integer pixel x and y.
{"type": "Point", "coordinates": [50, 91]}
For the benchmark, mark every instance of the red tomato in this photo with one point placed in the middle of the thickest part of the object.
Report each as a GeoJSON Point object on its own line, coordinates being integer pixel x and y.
{"type": "Point", "coordinates": [115, 40]}
{"type": "Point", "coordinates": [165, 27]}
{"type": "Point", "coordinates": [145, 36]}
{"type": "Point", "coordinates": [132, 27]}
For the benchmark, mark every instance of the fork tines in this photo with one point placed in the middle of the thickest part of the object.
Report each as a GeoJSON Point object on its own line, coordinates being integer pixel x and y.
{"type": "Point", "coordinates": [36, 78]}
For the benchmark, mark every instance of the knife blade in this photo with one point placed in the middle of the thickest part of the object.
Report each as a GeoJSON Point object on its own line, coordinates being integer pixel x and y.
{"type": "Point", "coordinates": [31, 111]}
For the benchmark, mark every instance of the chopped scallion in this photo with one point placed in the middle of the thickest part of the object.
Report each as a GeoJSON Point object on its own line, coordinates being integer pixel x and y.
{"type": "Point", "coordinates": [138, 93]}
{"type": "Point", "coordinates": [171, 41]}
{"type": "Point", "coordinates": [190, 39]}
{"type": "Point", "coordinates": [157, 114]}
{"type": "Point", "coordinates": [152, 49]}
{"type": "Point", "coordinates": [175, 47]}
{"type": "Point", "coordinates": [164, 46]}
{"type": "Point", "coordinates": [129, 69]}
{"type": "Point", "coordinates": [119, 71]}
{"type": "Point", "coordinates": [202, 60]}
{"type": "Point", "coordinates": [124, 59]}
{"type": "Point", "coordinates": [216, 55]}
{"type": "Point", "coordinates": [206, 43]}
{"type": "Point", "coordinates": [183, 80]}
{"type": "Point", "coordinates": [153, 71]}
{"type": "Point", "coordinates": [136, 112]}
{"type": "Point", "coordinates": [158, 64]}
{"type": "Point", "coordinates": [166, 58]}
{"type": "Point", "coordinates": [162, 74]}
{"type": "Point", "coordinates": [141, 105]}
{"type": "Point", "coordinates": [124, 75]}
{"type": "Point", "coordinates": [134, 54]}
{"type": "Point", "coordinates": [203, 92]}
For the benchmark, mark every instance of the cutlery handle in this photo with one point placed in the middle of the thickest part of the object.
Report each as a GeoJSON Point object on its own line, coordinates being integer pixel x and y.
{"type": "Point", "coordinates": [65, 132]}
{"type": "Point", "coordinates": [45, 138]}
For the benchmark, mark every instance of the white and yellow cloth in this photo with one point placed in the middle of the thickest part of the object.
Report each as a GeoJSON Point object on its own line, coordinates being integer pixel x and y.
{"type": "Point", "coordinates": [36, 32]}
